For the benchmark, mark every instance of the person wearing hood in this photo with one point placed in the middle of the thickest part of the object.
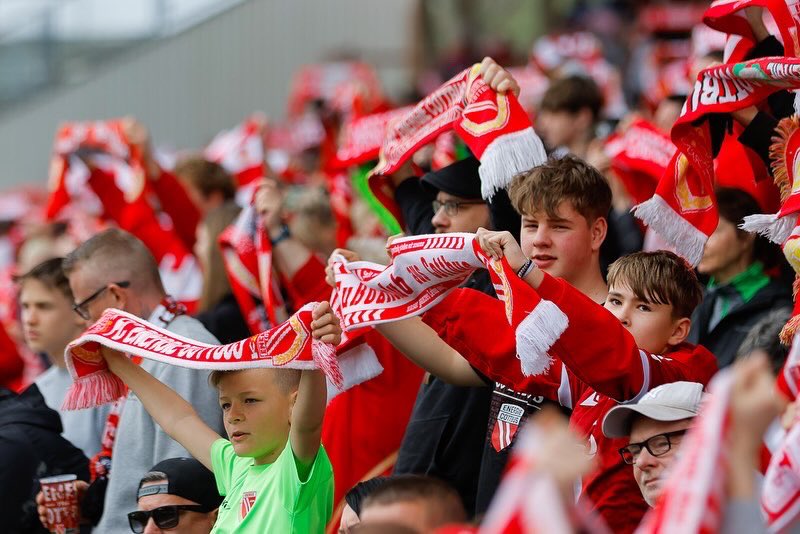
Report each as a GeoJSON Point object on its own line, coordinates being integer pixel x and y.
{"type": "Point", "coordinates": [31, 447]}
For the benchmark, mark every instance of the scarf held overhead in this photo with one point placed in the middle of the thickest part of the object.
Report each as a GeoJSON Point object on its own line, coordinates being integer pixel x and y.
{"type": "Point", "coordinates": [493, 125]}
{"type": "Point", "coordinates": [423, 270]}
{"type": "Point", "coordinates": [683, 209]}
{"type": "Point", "coordinates": [289, 345]}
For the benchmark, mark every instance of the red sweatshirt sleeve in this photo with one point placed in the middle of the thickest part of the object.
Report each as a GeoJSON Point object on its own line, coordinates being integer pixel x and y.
{"type": "Point", "coordinates": [475, 325]}
{"type": "Point", "coordinates": [308, 283]}
{"type": "Point", "coordinates": [611, 363]}
{"type": "Point", "coordinates": [176, 203]}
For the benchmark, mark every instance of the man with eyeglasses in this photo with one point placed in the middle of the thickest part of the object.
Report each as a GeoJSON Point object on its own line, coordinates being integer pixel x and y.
{"type": "Point", "coordinates": [178, 495]}
{"type": "Point", "coordinates": [114, 269]}
{"type": "Point", "coordinates": [654, 428]}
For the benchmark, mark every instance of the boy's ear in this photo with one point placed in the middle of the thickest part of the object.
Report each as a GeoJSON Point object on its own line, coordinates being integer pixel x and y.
{"type": "Point", "coordinates": [598, 230]}
{"type": "Point", "coordinates": [680, 331]}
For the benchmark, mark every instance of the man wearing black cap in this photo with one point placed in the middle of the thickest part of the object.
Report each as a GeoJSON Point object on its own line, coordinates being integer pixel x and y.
{"type": "Point", "coordinates": [450, 434]}
{"type": "Point", "coordinates": [178, 495]}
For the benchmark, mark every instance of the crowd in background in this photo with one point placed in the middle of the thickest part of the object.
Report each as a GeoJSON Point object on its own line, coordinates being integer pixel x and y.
{"type": "Point", "coordinates": [450, 432]}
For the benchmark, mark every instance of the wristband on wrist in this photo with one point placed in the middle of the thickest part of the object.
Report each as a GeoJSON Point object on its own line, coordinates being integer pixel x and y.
{"type": "Point", "coordinates": [282, 235]}
{"type": "Point", "coordinates": [526, 268]}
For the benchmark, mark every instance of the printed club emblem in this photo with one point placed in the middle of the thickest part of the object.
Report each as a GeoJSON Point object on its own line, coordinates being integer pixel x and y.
{"type": "Point", "coordinates": [248, 500]}
{"type": "Point", "coordinates": [505, 427]}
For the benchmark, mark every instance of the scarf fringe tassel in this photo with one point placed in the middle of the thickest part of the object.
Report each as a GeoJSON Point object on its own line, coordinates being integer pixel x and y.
{"type": "Point", "coordinates": [508, 156]}
{"type": "Point", "coordinates": [674, 229]}
{"type": "Point", "coordinates": [324, 355]}
{"type": "Point", "coordinates": [540, 329]}
{"type": "Point", "coordinates": [357, 365]}
{"type": "Point", "coordinates": [775, 228]}
{"type": "Point", "coordinates": [95, 389]}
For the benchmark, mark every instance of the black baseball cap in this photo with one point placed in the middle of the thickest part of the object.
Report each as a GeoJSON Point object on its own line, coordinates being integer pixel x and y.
{"type": "Point", "coordinates": [460, 179]}
{"type": "Point", "coordinates": [185, 477]}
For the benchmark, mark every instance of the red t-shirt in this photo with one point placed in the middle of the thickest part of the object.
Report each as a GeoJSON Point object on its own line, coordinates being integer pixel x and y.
{"type": "Point", "coordinates": [596, 364]}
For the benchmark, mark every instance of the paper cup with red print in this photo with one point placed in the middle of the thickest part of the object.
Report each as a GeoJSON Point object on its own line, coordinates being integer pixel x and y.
{"type": "Point", "coordinates": [61, 502]}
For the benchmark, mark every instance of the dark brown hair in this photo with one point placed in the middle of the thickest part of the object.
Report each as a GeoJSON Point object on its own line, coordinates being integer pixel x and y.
{"type": "Point", "coordinates": [206, 176]}
{"type": "Point", "coordinates": [572, 94]}
{"type": "Point", "coordinates": [561, 179]}
{"type": "Point", "coordinates": [660, 277]}
{"type": "Point", "coordinates": [51, 274]}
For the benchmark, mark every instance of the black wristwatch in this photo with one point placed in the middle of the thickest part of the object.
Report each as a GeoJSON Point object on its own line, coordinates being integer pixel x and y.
{"type": "Point", "coordinates": [283, 235]}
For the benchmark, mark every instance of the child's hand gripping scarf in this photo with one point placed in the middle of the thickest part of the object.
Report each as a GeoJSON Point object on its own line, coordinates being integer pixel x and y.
{"type": "Point", "coordinates": [693, 498]}
{"type": "Point", "coordinates": [493, 125]}
{"type": "Point", "coordinates": [289, 345]}
{"type": "Point", "coordinates": [69, 176]}
{"type": "Point", "coordinates": [683, 209]}
{"type": "Point", "coordinates": [247, 255]}
{"type": "Point", "coordinates": [639, 156]}
{"type": "Point", "coordinates": [240, 150]}
{"type": "Point", "coordinates": [423, 270]}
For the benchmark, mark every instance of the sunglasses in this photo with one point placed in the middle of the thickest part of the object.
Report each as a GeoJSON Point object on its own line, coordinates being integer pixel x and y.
{"type": "Point", "coordinates": [80, 307]}
{"type": "Point", "coordinates": [165, 517]}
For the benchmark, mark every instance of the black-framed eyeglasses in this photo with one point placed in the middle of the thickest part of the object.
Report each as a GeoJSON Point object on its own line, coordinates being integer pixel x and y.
{"type": "Point", "coordinates": [164, 517]}
{"type": "Point", "coordinates": [80, 307]}
{"type": "Point", "coordinates": [658, 445]}
{"type": "Point", "coordinates": [451, 206]}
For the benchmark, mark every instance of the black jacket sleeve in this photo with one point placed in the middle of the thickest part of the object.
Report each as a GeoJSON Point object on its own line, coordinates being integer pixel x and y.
{"type": "Point", "coordinates": [758, 136]}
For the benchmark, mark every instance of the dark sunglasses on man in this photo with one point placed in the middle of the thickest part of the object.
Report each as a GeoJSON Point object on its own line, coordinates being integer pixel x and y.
{"type": "Point", "coordinates": [165, 517]}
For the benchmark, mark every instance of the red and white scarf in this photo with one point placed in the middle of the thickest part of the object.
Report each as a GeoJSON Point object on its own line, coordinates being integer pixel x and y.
{"type": "Point", "coordinates": [494, 126]}
{"type": "Point", "coordinates": [423, 269]}
{"type": "Point", "coordinates": [247, 255]}
{"type": "Point", "coordinates": [728, 16]}
{"type": "Point", "coordinates": [360, 138]}
{"type": "Point", "coordinates": [69, 177]}
{"type": "Point", "coordinates": [683, 209]}
{"type": "Point", "coordinates": [639, 157]}
{"type": "Point", "coordinates": [694, 497]}
{"type": "Point", "coordinates": [347, 87]}
{"type": "Point", "coordinates": [240, 150]}
{"type": "Point", "coordinates": [289, 345]}
{"type": "Point", "coordinates": [780, 494]}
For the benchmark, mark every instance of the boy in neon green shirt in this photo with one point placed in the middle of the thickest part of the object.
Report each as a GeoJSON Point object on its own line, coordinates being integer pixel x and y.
{"type": "Point", "coordinates": [274, 474]}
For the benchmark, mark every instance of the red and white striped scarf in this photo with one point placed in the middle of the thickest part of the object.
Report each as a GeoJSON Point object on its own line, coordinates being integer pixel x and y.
{"type": "Point", "coordinates": [639, 157]}
{"type": "Point", "coordinates": [289, 345]}
{"type": "Point", "coordinates": [780, 493]}
{"type": "Point", "coordinates": [423, 270]}
{"type": "Point", "coordinates": [693, 499]}
{"type": "Point", "coordinates": [247, 255]}
{"type": "Point", "coordinates": [360, 138]}
{"type": "Point", "coordinates": [494, 126]}
{"type": "Point", "coordinates": [240, 150]}
{"type": "Point", "coordinates": [683, 209]}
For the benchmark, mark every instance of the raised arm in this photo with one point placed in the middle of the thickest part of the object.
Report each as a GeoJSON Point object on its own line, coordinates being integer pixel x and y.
{"type": "Point", "coordinates": [172, 413]}
{"type": "Point", "coordinates": [312, 396]}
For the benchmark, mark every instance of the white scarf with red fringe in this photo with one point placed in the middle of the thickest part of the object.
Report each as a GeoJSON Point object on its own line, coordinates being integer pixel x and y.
{"type": "Point", "coordinates": [423, 270]}
{"type": "Point", "coordinates": [683, 209]}
{"type": "Point", "coordinates": [493, 125]}
{"type": "Point", "coordinates": [288, 345]}
{"type": "Point", "coordinates": [694, 497]}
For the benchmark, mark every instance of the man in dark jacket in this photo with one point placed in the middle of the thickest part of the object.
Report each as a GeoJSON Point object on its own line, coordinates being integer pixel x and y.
{"type": "Point", "coordinates": [31, 447]}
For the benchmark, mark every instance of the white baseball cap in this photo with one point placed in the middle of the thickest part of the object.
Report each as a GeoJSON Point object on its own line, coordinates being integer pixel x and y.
{"type": "Point", "coordinates": [668, 402]}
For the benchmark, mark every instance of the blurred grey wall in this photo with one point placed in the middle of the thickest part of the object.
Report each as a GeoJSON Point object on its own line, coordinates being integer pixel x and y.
{"type": "Point", "coordinates": [188, 87]}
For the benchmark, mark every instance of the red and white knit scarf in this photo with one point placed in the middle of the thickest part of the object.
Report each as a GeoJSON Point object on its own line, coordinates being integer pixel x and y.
{"type": "Point", "coordinates": [494, 126]}
{"type": "Point", "coordinates": [360, 138]}
{"type": "Point", "coordinates": [683, 209]}
{"type": "Point", "coordinates": [240, 150]}
{"type": "Point", "coordinates": [780, 494]}
{"type": "Point", "coordinates": [694, 495]}
{"type": "Point", "coordinates": [639, 157]}
{"type": "Point", "coordinates": [69, 177]}
{"type": "Point", "coordinates": [289, 345]}
{"type": "Point", "coordinates": [247, 254]}
{"type": "Point", "coordinates": [423, 269]}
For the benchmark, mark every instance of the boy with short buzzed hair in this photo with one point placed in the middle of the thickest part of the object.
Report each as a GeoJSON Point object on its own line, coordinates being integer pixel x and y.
{"type": "Point", "coordinates": [273, 472]}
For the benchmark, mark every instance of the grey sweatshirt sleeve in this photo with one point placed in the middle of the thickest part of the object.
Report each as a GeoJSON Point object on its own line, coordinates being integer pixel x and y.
{"type": "Point", "coordinates": [743, 516]}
